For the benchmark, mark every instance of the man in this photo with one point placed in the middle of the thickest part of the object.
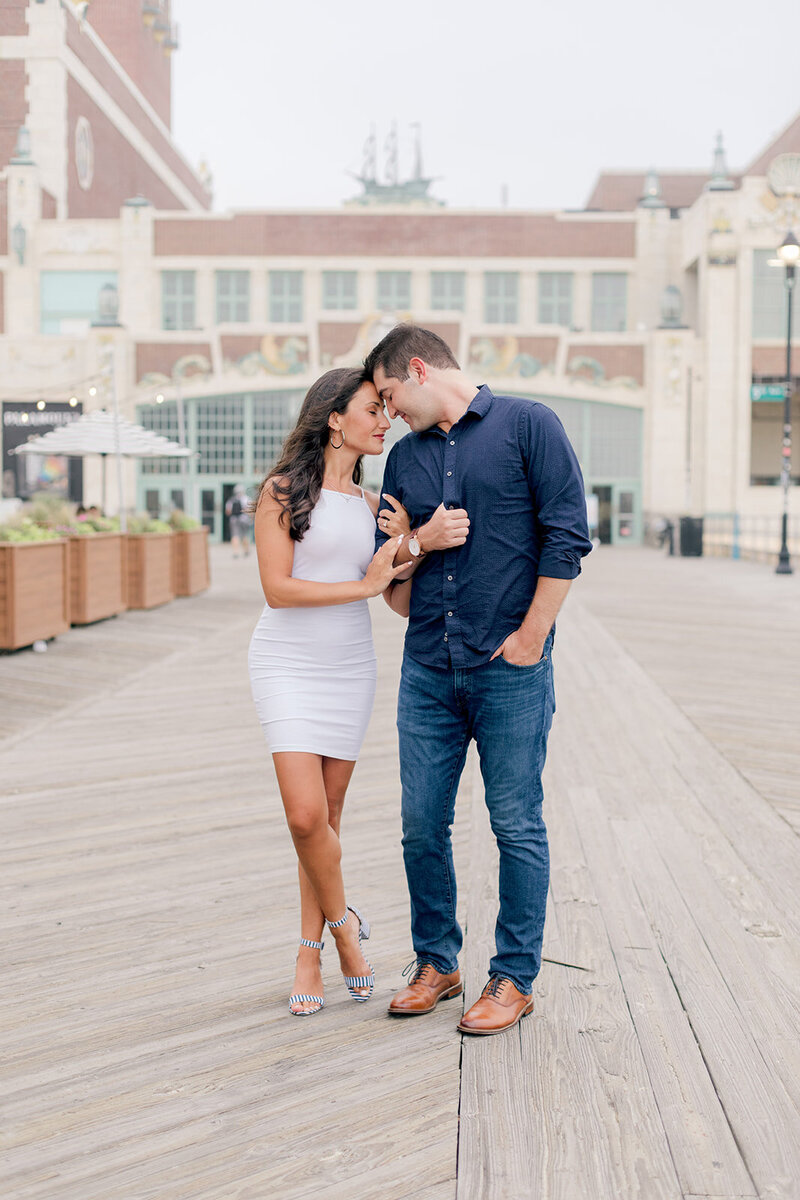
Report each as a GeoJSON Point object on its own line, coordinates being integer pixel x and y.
{"type": "Point", "coordinates": [498, 514]}
{"type": "Point", "coordinates": [237, 510]}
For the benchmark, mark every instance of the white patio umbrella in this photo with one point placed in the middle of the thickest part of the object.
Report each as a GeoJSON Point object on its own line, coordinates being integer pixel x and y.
{"type": "Point", "coordinates": [103, 433]}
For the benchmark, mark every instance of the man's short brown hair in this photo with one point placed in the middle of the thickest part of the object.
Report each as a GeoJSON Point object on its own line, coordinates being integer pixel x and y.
{"type": "Point", "coordinates": [394, 352]}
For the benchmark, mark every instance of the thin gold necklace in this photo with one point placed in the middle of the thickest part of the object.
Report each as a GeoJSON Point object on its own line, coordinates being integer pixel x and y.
{"type": "Point", "coordinates": [347, 495]}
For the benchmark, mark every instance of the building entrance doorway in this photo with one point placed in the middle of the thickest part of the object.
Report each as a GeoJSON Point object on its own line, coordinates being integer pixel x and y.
{"type": "Point", "coordinates": [603, 495]}
{"type": "Point", "coordinates": [618, 513]}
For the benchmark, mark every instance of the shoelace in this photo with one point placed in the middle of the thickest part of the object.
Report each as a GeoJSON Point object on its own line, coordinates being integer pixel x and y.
{"type": "Point", "coordinates": [494, 985]}
{"type": "Point", "coordinates": [415, 970]}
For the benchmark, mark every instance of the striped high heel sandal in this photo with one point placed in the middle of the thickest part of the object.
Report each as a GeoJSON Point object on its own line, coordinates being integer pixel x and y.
{"type": "Point", "coordinates": [357, 981]}
{"type": "Point", "coordinates": [303, 997]}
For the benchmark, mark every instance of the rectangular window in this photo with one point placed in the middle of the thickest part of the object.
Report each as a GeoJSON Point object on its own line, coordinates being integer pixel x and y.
{"type": "Point", "coordinates": [233, 296]}
{"type": "Point", "coordinates": [220, 435]}
{"type": "Point", "coordinates": [339, 289]}
{"type": "Point", "coordinates": [286, 297]}
{"type": "Point", "coordinates": [769, 297]}
{"type": "Point", "coordinates": [609, 301]}
{"type": "Point", "coordinates": [163, 419]}
{"type": "Point", "coordinates": [394, 290]}
{"type": "Point", "coordinates": [501, 297]}
{"type": "Point", "coordinates": [555, 298]}
{"type": "Point", "coordinates": [70, 300]}
{"type": "Point", "coordinates": [177, 300]}
{"type": "Point", "coordinates": [447, 290]}
{"type": "Point", "coordinates": [272, 420]}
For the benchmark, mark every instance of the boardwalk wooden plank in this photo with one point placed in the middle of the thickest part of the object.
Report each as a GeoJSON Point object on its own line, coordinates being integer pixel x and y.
{"type": "Point", "coordinates": [707, 1159]}
{"type": "Point", "coordinates": [149, 921]}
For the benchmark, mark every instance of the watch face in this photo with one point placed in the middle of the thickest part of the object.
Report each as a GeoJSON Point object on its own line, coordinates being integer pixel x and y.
{"type": "Point", "coordinates": [413, 547]}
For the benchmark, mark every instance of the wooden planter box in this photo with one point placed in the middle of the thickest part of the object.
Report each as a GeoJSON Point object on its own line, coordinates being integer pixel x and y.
{"type": "Point", "coordinates": [34, 597]}
{"type": "Point", "coordinates": [190, 570]}
{"type": "Point", "coordinates": [148, 569]}
{"type": "Point", "coordinates": [96, 577]}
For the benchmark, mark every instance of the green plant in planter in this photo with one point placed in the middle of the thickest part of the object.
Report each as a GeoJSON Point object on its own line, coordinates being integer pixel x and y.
{"type": "Point", "coordinates": [181, 522]}
{"type": "Point", "coordinates": [102, 524]}
{"type": "Point", "coordinates": [142, 523]}
{"type": "Point", "coordinates": [23, 529]}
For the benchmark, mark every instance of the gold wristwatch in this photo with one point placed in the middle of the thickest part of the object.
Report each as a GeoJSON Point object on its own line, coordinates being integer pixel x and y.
{"type": "Point", "coordinates": [414, 547]}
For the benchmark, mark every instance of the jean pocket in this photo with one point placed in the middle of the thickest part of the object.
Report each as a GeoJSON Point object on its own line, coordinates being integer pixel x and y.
{"type": "Point", "coordinates": [524, 666]}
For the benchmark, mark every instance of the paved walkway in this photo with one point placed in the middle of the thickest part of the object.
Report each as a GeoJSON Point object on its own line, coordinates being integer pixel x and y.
{"type": "Point", "coordinates": [149, 915]}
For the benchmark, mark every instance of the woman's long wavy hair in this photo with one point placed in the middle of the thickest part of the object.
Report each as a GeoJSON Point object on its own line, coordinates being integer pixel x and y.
{"type": "Point", "coordinates": [296, 479]}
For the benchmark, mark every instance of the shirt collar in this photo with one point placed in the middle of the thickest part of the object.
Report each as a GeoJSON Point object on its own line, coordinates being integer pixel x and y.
{"type": "Point", "coordinates": [479, 407]}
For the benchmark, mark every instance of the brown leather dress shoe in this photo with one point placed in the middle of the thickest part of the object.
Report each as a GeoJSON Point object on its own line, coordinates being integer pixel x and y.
{"type": "Point", "coordinates": [426, 988]}
{"type": "Point", "coordinates": [501, 1005]}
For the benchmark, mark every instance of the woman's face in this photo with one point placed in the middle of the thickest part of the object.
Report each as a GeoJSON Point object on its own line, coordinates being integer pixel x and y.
{"type": "Point", "coordinates": [364, 422]}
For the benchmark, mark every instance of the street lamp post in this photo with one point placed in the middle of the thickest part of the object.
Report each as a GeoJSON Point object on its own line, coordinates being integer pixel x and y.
{"type": "Point", "coordinates": [789, 253]}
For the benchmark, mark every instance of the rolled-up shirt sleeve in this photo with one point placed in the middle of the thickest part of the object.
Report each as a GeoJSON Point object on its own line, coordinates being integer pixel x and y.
{"type": "Point", "coordinates": [556, 486]}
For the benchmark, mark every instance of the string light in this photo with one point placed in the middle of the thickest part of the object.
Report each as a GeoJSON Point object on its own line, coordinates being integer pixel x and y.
{"type": "Point", "coordinates": [40, 404]}
{"type": "Point", "coordinates": [92, 392]}
{"type": "Point", "coordinates": [159, 398]}
{"type": "Point", "coordinates": [73, 400]}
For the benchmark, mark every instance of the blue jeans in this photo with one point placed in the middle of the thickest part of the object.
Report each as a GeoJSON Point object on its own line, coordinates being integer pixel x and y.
{"type": "Point", "coordinates": [508, 710]}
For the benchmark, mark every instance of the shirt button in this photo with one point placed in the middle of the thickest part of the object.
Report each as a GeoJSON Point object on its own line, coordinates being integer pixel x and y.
{"type": "Point", "coordinates": [445, 637]}
{"type": "Point", "coordinates": [450, 578]}
{"type": "Point", "coordinates": [449, 473]}
{"type": "Point", "coordinates": [452, 443]}
{"type": "Point", "coordinates": [449, 614]}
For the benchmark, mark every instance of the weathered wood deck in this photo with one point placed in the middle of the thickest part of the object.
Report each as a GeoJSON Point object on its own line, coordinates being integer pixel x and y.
{"type": "Point", "coordinates": [149, 919]}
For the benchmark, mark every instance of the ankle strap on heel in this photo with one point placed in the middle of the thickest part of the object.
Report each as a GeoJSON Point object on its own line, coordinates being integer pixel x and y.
{"type": "Point", "coordinates": [340, 923]}
{"type": "Point", "coordinates": [313, 945]}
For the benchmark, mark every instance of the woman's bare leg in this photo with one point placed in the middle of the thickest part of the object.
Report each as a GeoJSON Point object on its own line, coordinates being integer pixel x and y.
{"type": "Point", "coordinates": [313, 791]}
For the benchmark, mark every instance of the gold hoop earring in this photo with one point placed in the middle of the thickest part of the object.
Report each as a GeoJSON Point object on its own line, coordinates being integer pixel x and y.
{"type": "Point", "coordinates": [331, 441]}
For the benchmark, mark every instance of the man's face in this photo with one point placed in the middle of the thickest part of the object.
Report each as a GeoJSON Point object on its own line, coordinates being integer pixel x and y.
{"type": "Point", "coordinates": [405, 398]}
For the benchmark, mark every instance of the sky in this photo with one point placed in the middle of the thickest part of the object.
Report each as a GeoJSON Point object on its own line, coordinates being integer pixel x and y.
{"type": "Point", "coordinates": [528, 98]}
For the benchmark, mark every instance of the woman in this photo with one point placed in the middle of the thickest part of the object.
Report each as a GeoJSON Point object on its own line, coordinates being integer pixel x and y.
{"type": "Point", "coordinates": [312, 661]}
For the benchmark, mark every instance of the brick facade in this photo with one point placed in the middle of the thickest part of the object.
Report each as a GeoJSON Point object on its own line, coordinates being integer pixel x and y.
{"type": "Point", "coordinates": [13, 21]}
{"type": "Point", "coordinates": [771, 360]}
{"type": "Point", "coordinates": [119, 23]}
{"type": "Point", "coordinates": [13, 105]}
{"type": "Point", "coordinates": [3, 216]}
{"type": "Point", "coordinates": [359, 234]}
{"type": "Point", "coordinates": [116, 89]}
{"type": "Point", "coordinates": [119, 171]}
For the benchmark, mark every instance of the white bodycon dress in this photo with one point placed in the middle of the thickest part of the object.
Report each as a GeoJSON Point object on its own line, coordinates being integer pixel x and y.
{"type": "Point", "coordinates": [312, 670]}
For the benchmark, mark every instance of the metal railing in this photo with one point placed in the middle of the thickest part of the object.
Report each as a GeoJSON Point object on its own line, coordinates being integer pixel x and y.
{"type": "Point", "coordinates": [729, 535]}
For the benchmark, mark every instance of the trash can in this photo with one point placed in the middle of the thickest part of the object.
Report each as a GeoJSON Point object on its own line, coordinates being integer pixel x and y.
{"type": "Point", "coordinates": [691, 537]}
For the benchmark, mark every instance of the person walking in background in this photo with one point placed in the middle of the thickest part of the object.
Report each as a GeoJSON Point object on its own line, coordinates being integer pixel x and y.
{"type": "Point", "coordinates": [312, 659]}
{"type": "Point", "coordinates": [237, 510]}
{"type": "Point", "coordinates": [496, 502]}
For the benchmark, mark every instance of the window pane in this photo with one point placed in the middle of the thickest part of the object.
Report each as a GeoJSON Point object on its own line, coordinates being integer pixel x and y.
{"type": "Point", "coordinates": [220, 435]}
{"type": "Point", "coordinates": [555, 298]}
{"type": "Point", "coordinates": [339, 289]}
{"type": "Point", "coordinates": [69, 300]}
{"type": "Point", "coordinates": [163, 419]}
{"type": "Point", "coordinates": [501, 304]}
{"type": "Point", "coordinates": [447, 290]}
{"type": "Point", "coordinates": [609, 301]}
{"type": "Point", "coordinates": [272, 420]}
{"type": "Point", "coordinates": [177, 299]}
{"type": "Point", "coordinates": [394, 290]}
{"type": "Point", "coordinates": [769, 297]}
{"type": "Point", "coordinates": [286, 296]}
{"type": "Point", "coordinates": [233, 296]}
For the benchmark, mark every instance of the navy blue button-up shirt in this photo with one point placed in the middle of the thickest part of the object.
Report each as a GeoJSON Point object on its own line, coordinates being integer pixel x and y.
{"type": "Point", "coordinates": [509, 463]}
